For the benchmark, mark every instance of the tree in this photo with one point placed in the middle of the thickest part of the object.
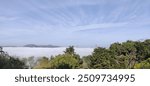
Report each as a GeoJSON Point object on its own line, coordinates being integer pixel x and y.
{"type": "Point", "coordinates": [101, 58]}
{"type": "Point", "coordinates": [143, 51]}
{"type": "Point", "coordinates": [147, 44]}
{"type": "Point", "coordinates": [68, 60]}
{"type": "Point", "coordinates": [131, 50]}
{"type": "Point", "coordinates": [65, 61]}
{"type": "Point", "coordinates": [43, 63]}
{"type": "Point", "coordinates": [117, 49]}
{"type": "Point", "coordinates": [3, 62]}
{"type": "Point", "coordinates": [11, 63]}
{"type": "Point", "coordinates": [70, 50]}
{"type": "Point", "coordinates": [122, 62]}
{"type": "Point", "coordinates": [143, 65]}
{"type": "Point", "coordinates": [129, 47]}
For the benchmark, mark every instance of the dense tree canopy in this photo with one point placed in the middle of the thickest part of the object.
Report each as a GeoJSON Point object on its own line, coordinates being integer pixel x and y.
{"type": "Point", "coordinates": [102, 58]}
{"type": "Point", "coordinates": [11, 63]}
{"type": "Point", "coordinates": [126, 55]}
{"type": "Point", "coordinates": [65, 61]}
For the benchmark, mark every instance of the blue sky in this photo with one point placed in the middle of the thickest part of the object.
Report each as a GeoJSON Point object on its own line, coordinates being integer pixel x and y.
{"type": "Point", "coordinates": [83, 23]}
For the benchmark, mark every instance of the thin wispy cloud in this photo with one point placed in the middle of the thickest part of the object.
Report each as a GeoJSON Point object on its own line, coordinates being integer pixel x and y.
{"type": "Point", "coordinates": [7, 18]}
{"type": "Point", "coordinates": [70, 22]}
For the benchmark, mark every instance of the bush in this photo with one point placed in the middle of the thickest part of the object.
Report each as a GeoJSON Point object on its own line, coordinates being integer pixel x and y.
{"type": "Point", "coordinates": [11, 63]}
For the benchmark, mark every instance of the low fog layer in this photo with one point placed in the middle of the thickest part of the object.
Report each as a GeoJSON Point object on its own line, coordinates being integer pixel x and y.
{"type": "Point", "coordinates": [40, 52]}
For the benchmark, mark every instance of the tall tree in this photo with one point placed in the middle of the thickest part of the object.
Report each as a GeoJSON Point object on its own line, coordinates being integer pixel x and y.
{"type": "Point", "coordinates": [101, 58]}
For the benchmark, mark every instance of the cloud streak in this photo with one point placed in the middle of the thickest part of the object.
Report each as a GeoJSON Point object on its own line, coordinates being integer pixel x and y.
{"type": "Point", "coordinates": [74, 21]}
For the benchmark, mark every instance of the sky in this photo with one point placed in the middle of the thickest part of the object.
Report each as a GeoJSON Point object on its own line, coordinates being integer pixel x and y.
{"type": "Point", "coordinates": [82, 23]}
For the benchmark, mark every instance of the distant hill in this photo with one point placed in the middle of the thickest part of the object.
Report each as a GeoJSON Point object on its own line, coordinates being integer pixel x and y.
{"type": "Point", "coordinates": [46, 46]}
{"type": "Point", "coordinates": [9, 46]}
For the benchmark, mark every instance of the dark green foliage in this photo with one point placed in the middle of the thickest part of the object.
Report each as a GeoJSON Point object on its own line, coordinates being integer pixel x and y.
{"type": "Point", "coordinates": [143, 50]}
{"type": "Point", "coordinates": [70, 50]}
{"type": "Point", "coordinates": [102, 58]}
{"type": "Point", "coordinates": [8, 62]}
{"type": "Point", "coordinates": [117, 49]}
{"type": "Point", "coordinates": [143, 65]}
{"type": "Point", "coordinates": [11, 63]}
{"type": "Point", "coordinates": [126, 55]}
{"type": "Point", "coordinates": [65, 61]}
{"type": "Point", "coordinates": [129, 48]}
{"type": "Point", "coordinates": [3, 62]}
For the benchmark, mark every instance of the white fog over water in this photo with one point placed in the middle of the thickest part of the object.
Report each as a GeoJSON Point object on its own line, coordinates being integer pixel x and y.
{"type": "Point", "coordinates": [40, 52]}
